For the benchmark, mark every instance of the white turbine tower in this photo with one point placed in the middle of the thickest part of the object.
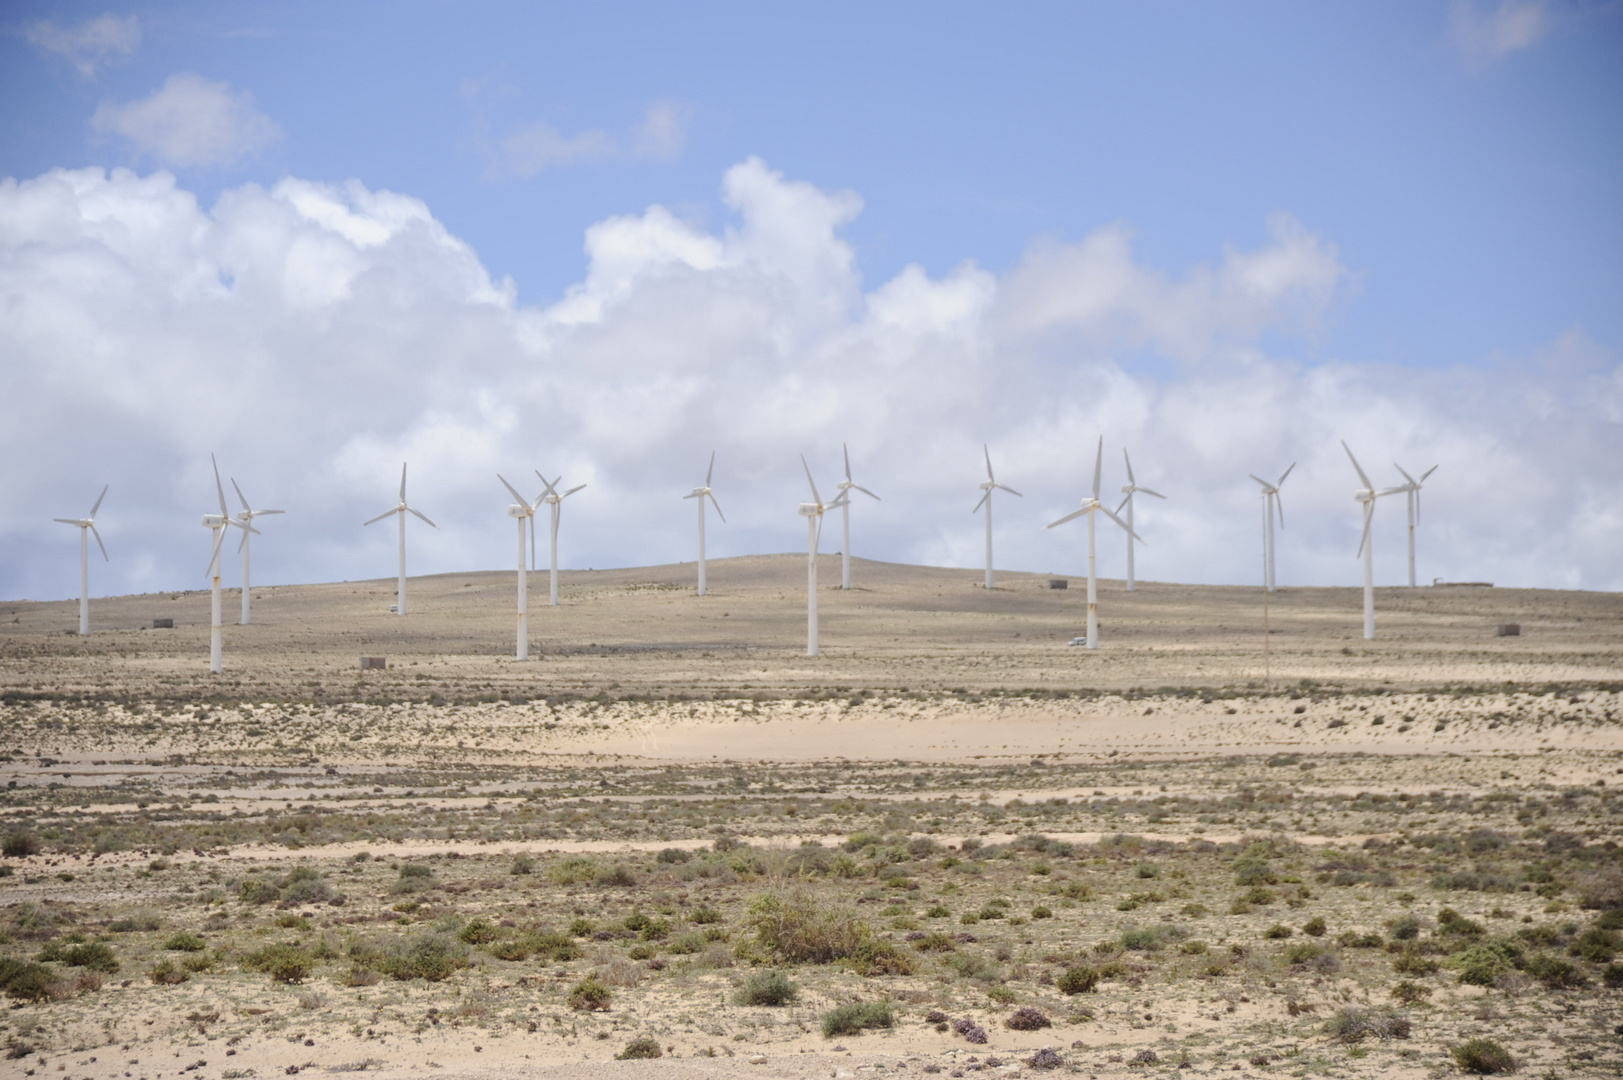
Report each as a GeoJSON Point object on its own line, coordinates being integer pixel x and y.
{"type": "Point", "coordinates": [1272, 506]}
{"type": "Point", "coordinates": [1366, 547]}
{"type": "Point", "coordinates": [1130, 490]}
{"type": "Point", "coordinates": [813, 513]}
{"type": "Point", "coordinates": [703, 493]}
{"type": "Point", "coordinates": [218, 524]}
{"type": "Point", "coordinates": [554, 502]}
{"type": "Point", "coordinates": [246, 517]}
{"type": "Point", "coordinates": [846, 486]}
{"type": "Point", "coordinates": [402, 509]}
{"type": "Point", "coordinates": [87, 526]}
{"type": "Point", "coordinates": [524, 511]}
{"type": "Point", "coordinates": [1089, 507]}
{"type": "Point", "coordinates": [988, 486]}
{"type": "Point", "coordinates": [1412, 488]}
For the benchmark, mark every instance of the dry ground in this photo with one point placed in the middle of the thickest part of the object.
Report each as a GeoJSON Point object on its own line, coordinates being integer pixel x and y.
{"type": "Point", "coordinates": [300, 865]}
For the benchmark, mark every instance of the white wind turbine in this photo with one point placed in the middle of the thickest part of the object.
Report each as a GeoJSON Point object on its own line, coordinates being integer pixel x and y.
{"type": "Point", "coordinates": [988, 486]}
{"type": "Point", "coordinates": [402, 509]}
{"type": "Point", "coordinates": [846, 486]}
{"type": "Point", "coordinates": [1366, 547]}
{"type": "Point", "coordinates": [1412, 488]}
{"type": "Point", "coordinates": [1272, 506]}
{"type": "Point", "coordinates": [218, 524]}
{"type": "Point", "coordinates": [246, 517]}
{"type": "Point", "coordinates": [1089, 506]}
{"type": "Point", "coordinates": [87, 526]}
{"type": "Point", "coordinates": [703, 493]}
{"type": "Point", "coordinates": [554, 502]}
{"type": "Point", "coordinates": [1130, 489]}
{"type": "Point", "coordinates": [524, 511]}
{"type": "Point", "coordinates": [813, 513]}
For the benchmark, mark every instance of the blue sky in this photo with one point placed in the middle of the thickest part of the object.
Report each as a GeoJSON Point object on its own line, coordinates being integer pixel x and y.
{"type": "Point", "coordinates": [1451, 174]}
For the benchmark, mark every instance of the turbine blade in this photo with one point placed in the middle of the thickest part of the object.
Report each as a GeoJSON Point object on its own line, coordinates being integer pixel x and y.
{"type": "Point", "coordinates": [219, 487]}
{"type": "Point", "coordinates": [1357, 466]}
{"type": "Point", "coordinates": [1125, 500]}
{"type": "Point", "coordinates": [262, 513]}
{"type": "Point", "coordinates": [380, 517]}
{"type": "Point", "coordinates": [240, 496]}
{"type": "Point", "coordinates": [532, 539]}
{"type": "Point", "coordinates": [214, 556]}
{"type": "Point", "coordinates": [71, 521]}
{"type": "Point", "coordinates": [866, 492]}
{"type": "Point", "coordinates": [1010, 490]}
{"type": "Point", "coordinates": [1124, 457]}
{"type": "Point", "coordinates": [571, 491]}
{"type": "Point", "coordinates": [1265, 484]}
{"type": "Point", "coordinates": [987, 451]}
{"type": "Point", "coordinates": [987, 494]}
{"type": "Point", "coordinates": [816, 498]}
{"type": "Point", "coordinates": [1369, 517]}
{"type": "Point", "coordinates": [1157, 494]}
{"type": "Point", "coordinates": [1406, 476]}
{"type": "Point", "coordinates": [1427, 473]}
{"type": "Point", "coordinates": [402, 481]}
{"type": "Point", "coordinates": [522, 501]}
{"type": "Point", "coordinates": [1072, 516]}
{"type": "Point", "coordinates": [103, 495]}
{"type": "Point", "coordinates": [847, 454]}
{"type": "Point", "coordinates": [1287, 472]}
{"type": "Point", "coordinates": [1417, 506]}
{"type": "Point", "coordinates": [422, 515]}
{"type": "Point", "coordinates": [550, 489]}
{"type": "Point", "coordinates": [1111, 514]}
{"type": "Point", "coordinates": [1279, 508]}
{"type": "Point", "coordinates": [1098, 466]}
{"type": "Point", "coordinates": [717, 505]}
{"type": "Point", "coordinates": [99, 544]}
{"type": "Point", "coordinates": [242, 543]}
{"type": "Point", "coordinates": [711, 471]}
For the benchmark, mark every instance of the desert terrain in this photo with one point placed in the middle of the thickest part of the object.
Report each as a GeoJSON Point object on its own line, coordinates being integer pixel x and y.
{"type": "Point", "coordinates": [952, 844]}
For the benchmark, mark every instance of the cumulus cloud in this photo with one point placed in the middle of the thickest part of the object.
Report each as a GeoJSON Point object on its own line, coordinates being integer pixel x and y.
{"type": "Point", "coordinates": [316, 335]}
{"type": "Point", "coordinates": [89, 44]}
{"type": "Point", "coordinates": [537, 147]}
{"type": "Point", "coordinates": [189, 121]}
{"type": "Point", "coordinates": [1486, 36]}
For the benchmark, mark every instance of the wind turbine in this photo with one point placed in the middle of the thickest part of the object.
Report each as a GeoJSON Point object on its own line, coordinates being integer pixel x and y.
{"type": "Point", "coordinates": [402, 509]}
{"type": "Point", "coordinates": [87, 525]}
{"type": "Point", "coordinates": [813, 513]}
{"type": "Point", "coordinates": [1413, 489]}
{"type": "Point", "coordinates": [555, 501]}
{"type": "Point", "coordinates": [1130, 490]}
{"type": "Point", "coordinates": [988, 486]}
{"type": "Point", "coordinates": [1366, 547]}
{"type": "Point", "coordinates": [1089, 506]}
{"type": "Point", "coordinates": [218, 523]}
{"type": "Point", "coordinates": [703, 493]}
{"type": "Point", "coordinates": [246, 517]}
{"type": "Point", "coordinates": [524, 511]}
{"type": "Point", "coordinates": [844, 501]}
{"type": "Point", "coordinates": [1272, 506]}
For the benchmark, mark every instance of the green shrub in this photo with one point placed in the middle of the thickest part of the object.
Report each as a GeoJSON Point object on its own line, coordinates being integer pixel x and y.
{"type": "Point", "coordinates": [1482, 963]}
{"type": "Point", "coordinates": [185, 941]}
{"type": "Point", "coordinates": [935, 941]}
{"type": "Point", "coordinates": [25, 980]}
{"type": "Point", "coordinates": [705, 915]}
{"type": "Point", "coordinates": [1410, 992]}
{"type": "Point", "coordinates": [1041, 912]}
{"type": "Point", "coordinates": [767, 988]}
{"type": "Point", "coordinates": [166, 973]}
{"type": "Point", "coordinates": [19, 844]}
{"type": "Point", "coordinates": [1277, 931]}
{"type": "Point", "coordinates": [1354, 1024]}
{"type": "Point", "coordinates": [798, 928]}
{"type": "Point", "coordinates": [1254, 869]}
{"type": "Point", "coordinates": [1411, 961]}
{"type": "Point", "coordinates": [880, 956]}
{"type": "Point", "coordinates": [1081, 979]}
{"type": "Point", "coordinates": [523, 863]}
{"type": "Point", "coordinates": [1596, 945]}
{"type": "Point", "coordinates": [1612, 976]}
{"type": "Point", "coordinates": [1404, 928]}
{"type": "Point", "coordinates": [582, 927]}
{"type": "Point", "coordinates": [590, 995]}
{"type": "Point", "coordinates": [95, 955]}
{"type": "Point", "coordinates": [644, 1046]}
{"type": "Point", "coordinates": [615, 877]}
{"type": "Point", "coordinates": [853, 1018]}
{"type": "Point", "coordinates": [1303, 952]}
{"type": "Point", "coordinates": [479, 932]}
{"type": "Point", "coordinates": [284, 962]}
{"type": "Point", "coordinates": [1555, 973]}
{"type": "Point", "coordinates": [431, 955]}
{"type": "Point", "coordinates": [1482, 1057]}
{"type": "Point", "coordinates": [574, 871]}
{"type": "Point", "coordinates": [1315, 927]}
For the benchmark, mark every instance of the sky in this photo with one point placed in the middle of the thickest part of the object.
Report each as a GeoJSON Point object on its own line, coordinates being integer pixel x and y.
{"type": "Point", "coordinates": [604, 241]}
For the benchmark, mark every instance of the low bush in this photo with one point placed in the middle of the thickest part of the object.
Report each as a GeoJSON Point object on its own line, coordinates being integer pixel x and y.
{"type": "Point", "coordinates": [590, 995]}
{"type": "Point", "coordinates": [1303, 953]}
{"type": "Point", "coordinates": [1027, 1019]}
{"type": "Point", "coordinates": [855, 1017]}
{"type": "Point", "coordinates": [1596, 945]}
{"type": "Point", "coordinates": [615, 877]}
{"type": "Point", "coordinates": [166, 973]}
{"type": "Point", "coordinates": [1483, 1057]}
{"type": "Point", "coordinates": [644, 1046]}
{"type": "Point", "coordinates": [1081, 979]}
{"type": "Point", "coordinates": [185, 941]}
{"type": "Point", "coordinates": [1315, 927]}
{"type": "Point", "coordinates": [1404, 928]}
{"type": "Point", "coordinates": [478, 932]}
{"type": "Point", "coordinates": [25, 980]}
{"type": "Point", "coordinates": [1482, 963]}
{"type": "Point", "coordinates": [767, 988]}
{"type": "Point", "coordinates": [1555, 973]}
{"type": "Point", "coordinates": [1408, 992]}
{"type": "Point", "coordinates": [523, 863]}
{"type": "Point", "coordinates": [576, 871]}
{"type": "Point", "coordinates": [19, 844]}
{"type": "Point", "coordinates": [1354, 1024]}
{"type": "Point", "coordinates": [284, 962]}
{"type": "Point", "coordinates": [430, 955]}
{"type": "Point", "coordinates": [1412, 961]}
{"type": "Point", "coordinates": [1046, 1058]}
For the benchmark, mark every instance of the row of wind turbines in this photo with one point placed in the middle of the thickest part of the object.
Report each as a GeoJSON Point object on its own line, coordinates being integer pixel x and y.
{"type": "Point", "coordinates": [524, 511]}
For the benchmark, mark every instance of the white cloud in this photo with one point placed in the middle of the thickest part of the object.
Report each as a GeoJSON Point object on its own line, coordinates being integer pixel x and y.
{"type": "Point", "coordinates": [315, 335]}
{"type": "Point", "coordinates": [90, 43]}
{"type": "Point", "coordinates": [189, 121]}
{"type": "Point", "coordinates": [537, 147]}
{"type": "Point", "coordinates": [1485, 37]}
